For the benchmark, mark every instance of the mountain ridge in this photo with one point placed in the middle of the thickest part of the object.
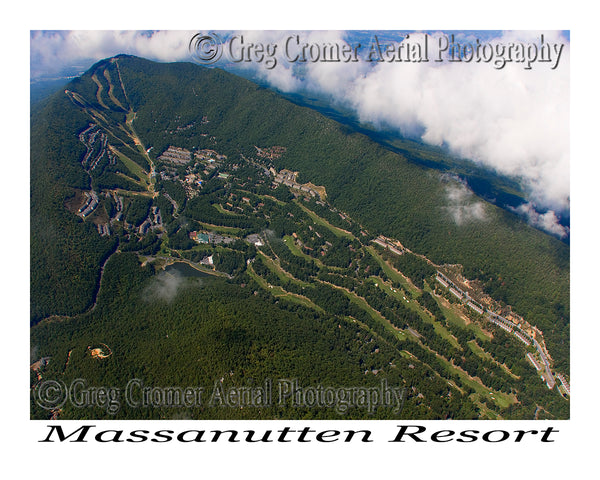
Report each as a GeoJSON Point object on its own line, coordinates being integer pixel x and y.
{"type": "Point", "coordinates": [141, 109]}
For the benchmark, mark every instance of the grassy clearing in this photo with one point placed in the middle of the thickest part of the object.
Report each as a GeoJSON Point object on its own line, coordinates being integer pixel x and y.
{"type": "Point", "coordinates": [269, 197]}
{"type": "Point", "coordinates": [393, 274]}
{"type": "Point", "coordinates": [131, 179]}
{"type": "Point", "coordinates": [203, 247]}
{"type": "Point", "coordinates": [456, 319]}
{"type": "Point", "coordinates": [219, 228]}
{"type": "Point", "coordinates": [338, 232]}
{"type": "Point", "coordinates": [129, 193]}
{"type": "Point", "coordinates": [129, 118]}
{"type": "Point", "coordinates": [481, 353]}
{"type": "Point", "coordinates": [374, 314]}
{"type": "Point", "coordinates": [477, 350]}
{"type": "Point", "coordinates": [400, 295]}
{"type": "Point", "coordinates": [142, 150]}
{"type": "Point", "coordinates": [99, 91]}
{"type": "Point", "coordinates": [132, 166]}
{"type": "Point", "coordinates": [442, 332]}
{"type": "Point", "coordinates": [291, 244]}
{"type": "Point", "coordinates": [401, 335]}
{"type": "Point", "coordinates": [292, 297]}
{"type": "Point", "coordinates": [222, 210]}
{"type": "Point", "coordinates": [111, 90]}
{"type": "Point", "coordinates": [279, 292]}
{"type": "Point", "coordinates": [501, 399]}
{"type": "Point", "coordinates": [279, 271]}
{"type": "Point", "coordinates": [264, 197]}
{"type": "Point", "coordinates": [484, 409]}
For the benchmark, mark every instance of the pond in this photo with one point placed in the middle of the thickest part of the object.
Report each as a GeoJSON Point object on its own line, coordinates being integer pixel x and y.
{"type": "Point", "coordinates": [186, 270]}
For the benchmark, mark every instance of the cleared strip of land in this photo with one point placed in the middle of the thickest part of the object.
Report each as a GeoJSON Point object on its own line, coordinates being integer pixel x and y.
{"type": "Point", "coordinates": [339, 232]}
{"type": "Point", "coordinates": [133, 167]}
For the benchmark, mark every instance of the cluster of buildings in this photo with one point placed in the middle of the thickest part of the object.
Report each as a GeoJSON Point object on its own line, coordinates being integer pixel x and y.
{"type": "Point", "coordinates": [193, 179]}
{"type": "Point", "coordinates": [500, 321]}
{"type": "Point", "coordinates": [288, 178]}
{"type": "Point", "coordinates": [386, 243]}
{"type": "Point", "coordinates": [103, 229]}
{"type": "Point", "coordinates": [533, 361]}
{"type": "Point", "coordinates": [182, 128]}
{"type": "Point", "coordinates": [94, 153]}
{"type": "Point", "coordinates": [210, 237]}
{"type": "Point", "coordinates": [177, 155]}
{"type": "Point", "coordinates": [173, 202]}
{"type": "Point", "coordinates": [90, 204]}
{"type": "Point", "coordinates": [88, 131]}
{"type": "Point", "coordinates": [119, 207]}
{"type": "Point", "coordinates": [564, 383]}
{"type": "Point", "coordinates": [505, 325]}
{"type": "Point", "coordinates": [461, 295]}
{"type": "Point", "coordinates": [547, 373]}
{"type": "Point", "coordinates": [153, 221]}
{"type": "Point", "coordinates": [207, 261]}
{"type": "Point", "coordinates": [255, 240]}
{"type": "Point", "coordinates": [209, 156]}
{"type": "Point", "coordinates": [270, 153]}
{"type": "Point", "coordinates": [522, 337]}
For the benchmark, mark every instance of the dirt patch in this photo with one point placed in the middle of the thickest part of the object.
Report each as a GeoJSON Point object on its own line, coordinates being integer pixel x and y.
{"type": "Point", "coordinates": [100, 217]}
{"type": "Point", "coordinates": [74, 203]}
{"type": "Point", "coordinates": [317, 188]}
{"type": "Point", "coordinates": [101, 352]}
{"type": "Point", "coordinates": [68, 359]}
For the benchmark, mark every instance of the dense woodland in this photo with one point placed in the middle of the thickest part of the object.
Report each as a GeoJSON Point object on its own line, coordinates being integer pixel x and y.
{"type": "Point", "coordinates": [314, 302]}
{"type": "Point", "coordinates": [528, 268]}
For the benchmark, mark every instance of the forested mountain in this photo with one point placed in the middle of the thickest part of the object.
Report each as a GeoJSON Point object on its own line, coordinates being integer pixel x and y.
{"type": "Point", "coordinates": [136, 165]}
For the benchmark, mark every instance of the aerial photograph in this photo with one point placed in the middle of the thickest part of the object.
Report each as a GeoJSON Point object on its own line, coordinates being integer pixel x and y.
{"type": "Point", "coordinates": [299, 225]}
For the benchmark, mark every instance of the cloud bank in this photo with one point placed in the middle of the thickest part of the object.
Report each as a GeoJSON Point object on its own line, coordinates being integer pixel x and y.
{"type": "Point", "coordinates": [55, 51]}
{"type": "Point", "coordinates": [512, 120]}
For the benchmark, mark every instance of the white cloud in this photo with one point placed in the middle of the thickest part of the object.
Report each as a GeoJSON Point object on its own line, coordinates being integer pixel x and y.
{"type": "Point", "coordinates": [51, 52]}
{"type": "Point", "coordinates": [512, 120]}
{"type": "Point", "coordinates": [163, 286]}
{"type": "Point", "coordinates": [462, 205]}
{"type": "Point", "coordinates": [547, 221]}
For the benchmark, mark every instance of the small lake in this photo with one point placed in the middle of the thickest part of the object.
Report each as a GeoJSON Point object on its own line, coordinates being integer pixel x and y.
{"type": "Point", "coordinates": [185, 270]}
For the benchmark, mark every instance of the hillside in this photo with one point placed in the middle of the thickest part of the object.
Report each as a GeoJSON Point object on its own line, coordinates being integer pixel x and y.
{"type": "Point", "coordinates": [179, 162]}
